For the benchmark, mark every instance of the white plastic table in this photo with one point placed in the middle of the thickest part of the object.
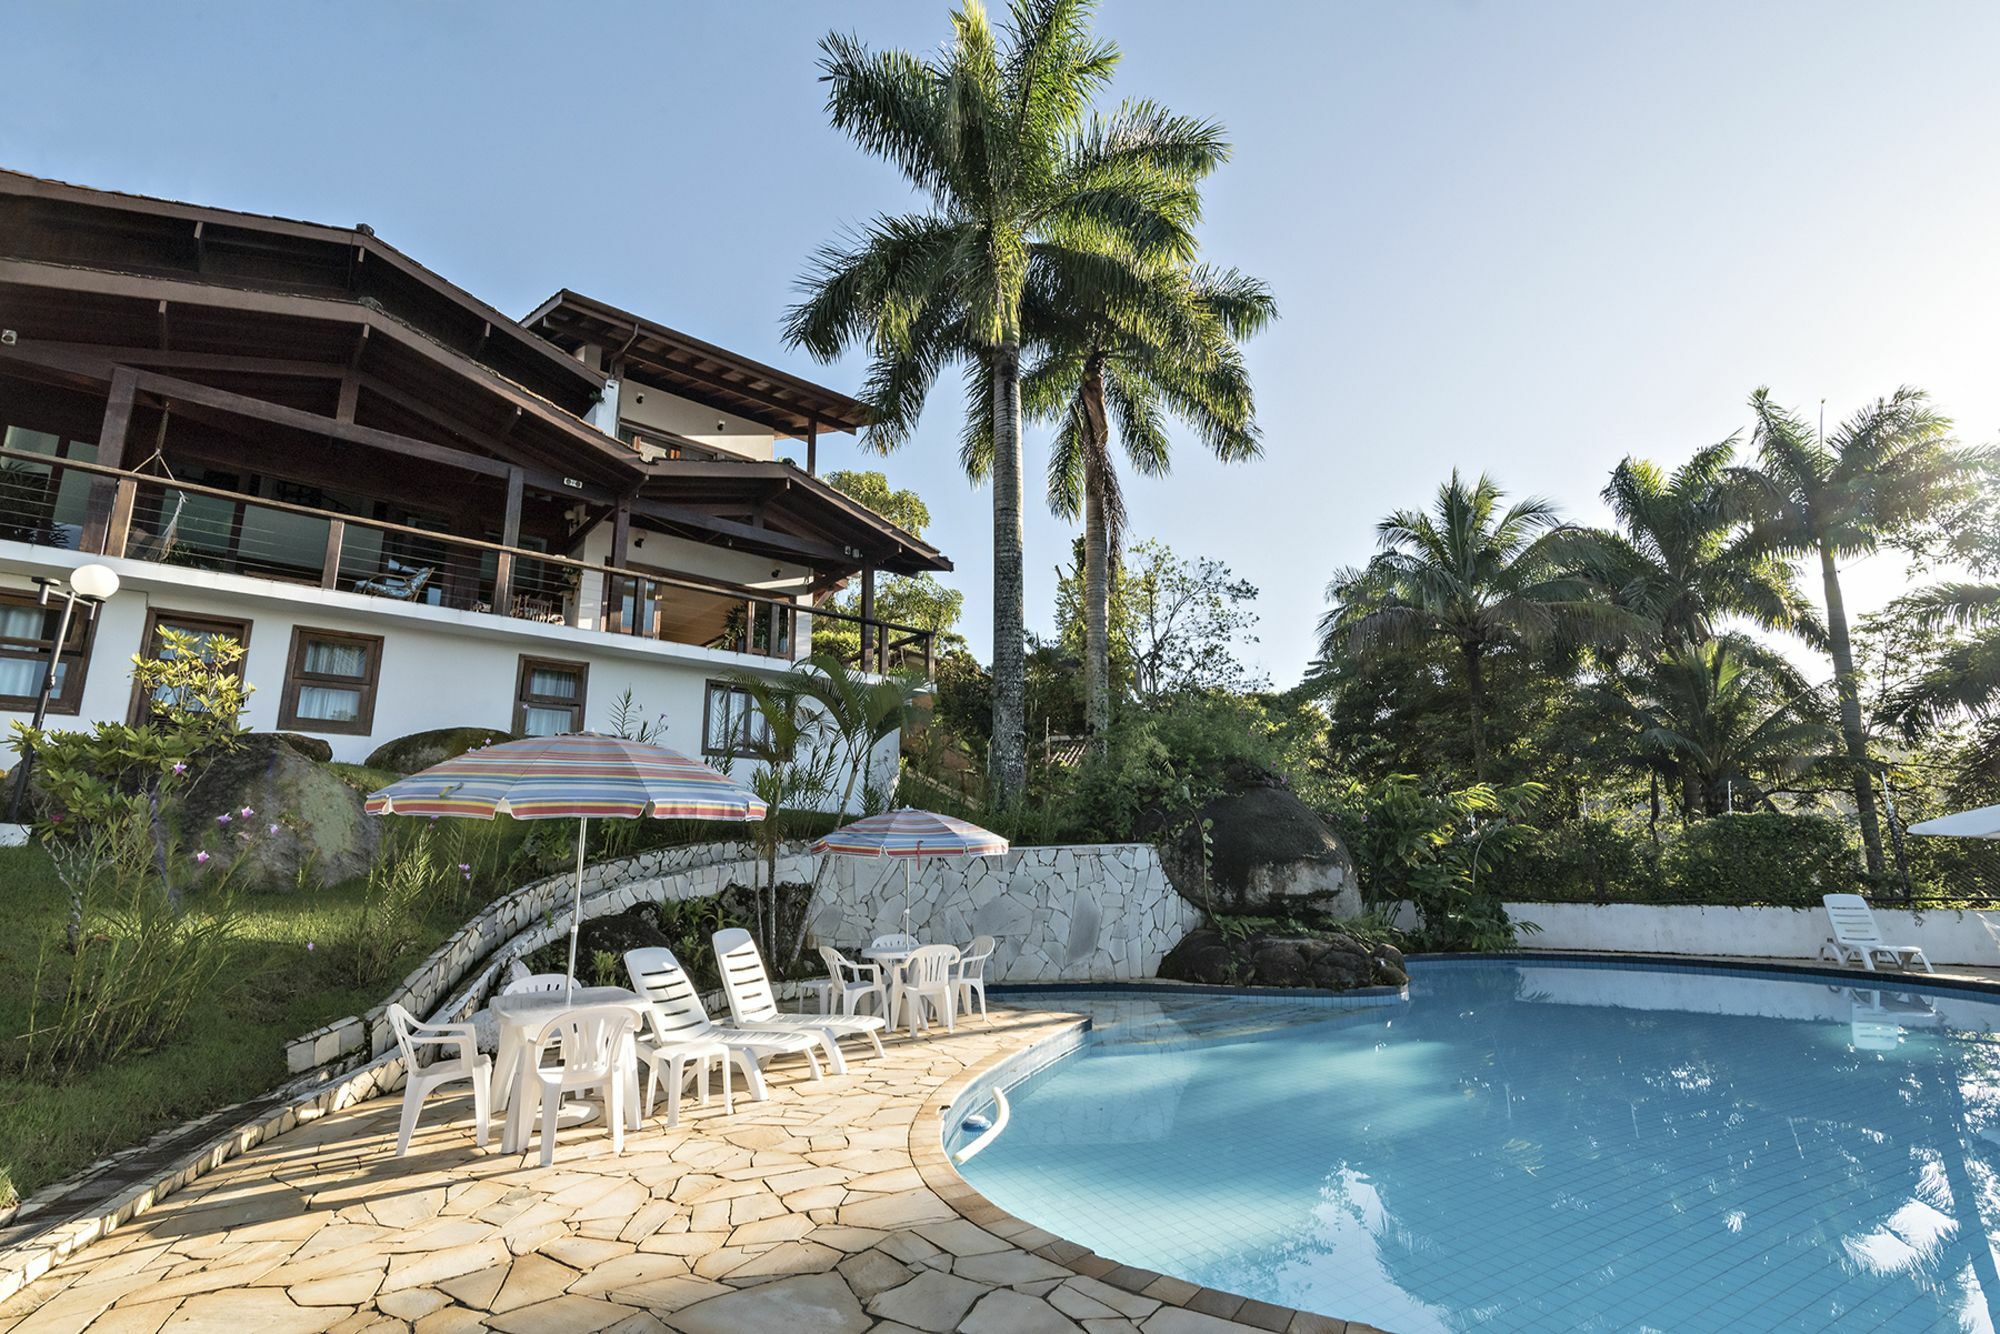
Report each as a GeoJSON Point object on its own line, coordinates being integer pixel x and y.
{"type": "Point", "coordinates": [522, 1016]}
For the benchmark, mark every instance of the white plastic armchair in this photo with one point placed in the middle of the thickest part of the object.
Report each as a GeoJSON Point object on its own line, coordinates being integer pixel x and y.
{"type": "Point", "coordinates": [595, 1055]}
{"type": "Point", "coordinates": [462, 1061]}
{"type": "Point", "coordinates": [930, 978]}
{"type": "Point", "coordinates": [675, 1014]}
{"type": "Point", "coordinates": [854, 982]}
{"type": "Point", "coordinates": [895, 940]}
{"type": "Point", "coordinates": [528, 982]}
{"type": "Point", "coordinates": [753, 1007]}
{"type": "Point", "coordinates": [1856, 938]}
{"type": "Point", "coordinates": [970, 975]}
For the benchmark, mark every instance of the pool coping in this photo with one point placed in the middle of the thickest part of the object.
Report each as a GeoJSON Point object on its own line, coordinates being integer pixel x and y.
{"type": "Point", "coordinates": [941, 1177]}
{"type": "Point", "coordinates": [1710, 963]}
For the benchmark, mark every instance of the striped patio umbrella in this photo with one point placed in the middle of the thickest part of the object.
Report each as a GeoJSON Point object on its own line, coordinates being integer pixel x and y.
{"type": "Point", "coordinates": [911, 834]}
{"type": "Point", "coordinates": [581, 777]}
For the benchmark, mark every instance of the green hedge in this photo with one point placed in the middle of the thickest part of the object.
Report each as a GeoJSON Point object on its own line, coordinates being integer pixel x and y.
{"type": "Point", "coordinates": [1762, 858]}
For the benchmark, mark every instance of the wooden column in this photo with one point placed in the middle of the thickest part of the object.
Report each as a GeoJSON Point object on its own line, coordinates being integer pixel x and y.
{"type": "Point", "coordinates": [329, 568]}
{"type": "Point", "coordinates": [111, 435]}
{"type": "Point", "coordinates": [867, 615]}
{"type": "Point", "coordinates": [812, 447]}
{"type": "Point", "coordinates": [510, 536]}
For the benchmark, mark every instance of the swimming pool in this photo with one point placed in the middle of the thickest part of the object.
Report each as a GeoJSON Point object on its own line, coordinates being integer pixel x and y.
{"type": "Point", "coordinates": [1535, 1146]}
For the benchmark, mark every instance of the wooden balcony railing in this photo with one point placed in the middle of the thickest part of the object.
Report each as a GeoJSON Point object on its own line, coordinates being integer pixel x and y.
{"type": "Point", "coordinates": [116, 512]}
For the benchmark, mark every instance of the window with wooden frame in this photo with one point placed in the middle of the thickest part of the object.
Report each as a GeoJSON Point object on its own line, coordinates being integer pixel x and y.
{"type": "Point", "coordinates": [731, 722]}
{"type": "Point", "coordinates": [27, 633]}
{"type": "Point", "coordinates": [201, 628]}
{"type": "Point", "coordinates": [330, 681]}
{"type": "Point", "coordinates": [548, 697]}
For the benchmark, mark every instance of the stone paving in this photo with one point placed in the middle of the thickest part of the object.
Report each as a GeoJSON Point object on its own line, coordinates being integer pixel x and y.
{"type": "Point", "coordinates": [830, 1207]}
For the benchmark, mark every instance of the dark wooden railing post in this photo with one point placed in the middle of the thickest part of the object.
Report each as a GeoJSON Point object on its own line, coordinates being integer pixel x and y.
{"type": "Point", "coordinates": [867, 614]}
{"type": "Point", "coordinates": [119, 530]}
{"type": "Point", "coordinates": [329, 566]}
{"type": "Point", "coordinates": [118, 405]}
{"type": "Point", "coordinates": [930, 655]}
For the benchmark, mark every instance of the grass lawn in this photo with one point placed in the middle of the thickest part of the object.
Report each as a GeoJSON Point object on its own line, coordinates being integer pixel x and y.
{"type": "Point", "coordinates": [231, 1051]}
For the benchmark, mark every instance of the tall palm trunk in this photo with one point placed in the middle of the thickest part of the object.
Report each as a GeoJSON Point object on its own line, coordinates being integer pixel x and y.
{"type": "Point", "coordinates": [1475, 686]}
{"type": "Point", "coordinates": [1847, 686]}
{"type": "Point", "coordinates": [1096, 552]}
{"type": "Point", "coordinates": [1009, 760]}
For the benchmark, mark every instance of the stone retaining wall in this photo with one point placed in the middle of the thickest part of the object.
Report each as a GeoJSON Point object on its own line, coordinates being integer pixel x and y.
{"type": "Point", "coordinates": [1097, 913]}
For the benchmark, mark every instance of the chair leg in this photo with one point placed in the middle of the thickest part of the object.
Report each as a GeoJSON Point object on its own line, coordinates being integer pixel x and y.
{"type": "Point", "coordinates": [812, 1059]}
{"type": "Point", "coordinates": [753, 1078]}
{"type": "Point", "coordinates": [413, 1106]}
{"type": "Point", "coordinates": [482, 1105]}
{"type": "Point", "coordinates": [614, 1105]}
{"type": "Point", "coordinates": [674, 1094]}
{"type": "Point", "coordinates": [652, 1088]}
{"type": "Point", "coordinates": [834, 1060]}
{"type": "Point", "coordinates": [728, 1089]}
{"type": "Point", "coordinates": [551, 1117]}
{"type": "Point", "coordinates": [950, 1009]}
{"type": "Point", "coordinates": [875, 1039]}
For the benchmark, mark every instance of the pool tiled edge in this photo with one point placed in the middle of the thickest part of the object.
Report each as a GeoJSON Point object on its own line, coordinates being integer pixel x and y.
{"type": "Point", "coordinates": [1209, 1309]}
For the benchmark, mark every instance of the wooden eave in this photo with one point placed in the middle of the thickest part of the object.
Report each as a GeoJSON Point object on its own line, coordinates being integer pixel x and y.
{"type": "Point", "coordinates": [679, 363]}
{"type": "Point", "coordinates": [779, 510]}
{"type": "Point", "coordinates": [57, 221]}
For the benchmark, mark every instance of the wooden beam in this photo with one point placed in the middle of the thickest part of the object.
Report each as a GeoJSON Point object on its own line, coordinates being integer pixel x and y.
{"type": "Point", "coordinates": [867, 614]}
{"type": "Point", "coordinates": [256, 409]}
{"type": "Point", "coordinates": [812, 448]}
{"type": "Point", "coordinates": [621, 533]}
{"type": "Point", "coordinates": [768, 539]}
{"type": "Point", "coordinates": [196, 361]}
{"type": "Point", "coordinates": [111, 453]}
{"type": "Point", "coordinates": [350, 396]}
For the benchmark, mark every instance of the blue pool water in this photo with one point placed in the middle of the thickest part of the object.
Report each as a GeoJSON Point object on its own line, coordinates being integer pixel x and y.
{"type": "Point", "coordinates": [1536, 1147]}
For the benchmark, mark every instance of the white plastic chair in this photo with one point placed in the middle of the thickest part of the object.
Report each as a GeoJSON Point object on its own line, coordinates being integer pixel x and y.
{"type": "Point", "coordinates": [593, 1042]}
{"type": "Point", "coordinates": [852, 983]}
{"type": "Point", "coordinates": [528, 983]}
{"type": "Point", "coordinates": [971, 975]}
{"type": "Point", "coordinates": [930, 978]}
{"type": "Point", "coordinates": [895, 940]}
{"type": "Point", "coordinates": [752, 1006]}
{"type": "Point", "coordinates": [1856, 938]}
{"type": "Point", "coordinates": [418, 1080]}
{"type": "Point", "coordinates": [676, 1014]}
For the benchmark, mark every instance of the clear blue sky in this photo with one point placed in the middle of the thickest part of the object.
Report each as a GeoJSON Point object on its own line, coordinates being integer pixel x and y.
{"type": "Point", "coordinates": [1523, 237]}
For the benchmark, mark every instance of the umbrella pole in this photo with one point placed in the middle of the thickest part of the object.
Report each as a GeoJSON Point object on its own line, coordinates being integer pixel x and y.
{"type": "Point", "coordinates": [576, 910]}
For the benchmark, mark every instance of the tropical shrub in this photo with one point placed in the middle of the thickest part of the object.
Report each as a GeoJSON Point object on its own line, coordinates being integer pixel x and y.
{"type": "Point", "coordinates": [1594, 859]}
{"type": "Point", "coordinates": [1428, 846]}
{"type": "Point", "coordinates": [1765, 857]}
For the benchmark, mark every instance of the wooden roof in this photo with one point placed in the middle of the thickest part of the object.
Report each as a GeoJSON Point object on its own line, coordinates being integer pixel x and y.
{"type": "Point", "coordinates": [775, 509]}
{"type": "Point", "coordinates": [682, 364]}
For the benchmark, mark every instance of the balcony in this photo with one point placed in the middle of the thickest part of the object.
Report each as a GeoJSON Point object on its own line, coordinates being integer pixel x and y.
{"type": "Point", "coordinates": [89, 507]}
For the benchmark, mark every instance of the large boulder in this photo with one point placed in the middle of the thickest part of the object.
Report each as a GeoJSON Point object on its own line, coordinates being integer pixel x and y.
{"type": "Point", "coordinates": [1269, 853]}
{"type": "Point", "coordinates": [420, 750]}
{"type": "Point", "coordinates": [1331, 961]}
{"type": "Point", "coordinates": [312, 747]}
{"type": "Point", "coordinates": [323, 828]}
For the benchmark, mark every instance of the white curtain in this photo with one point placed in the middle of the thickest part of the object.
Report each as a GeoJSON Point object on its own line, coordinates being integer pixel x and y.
{"type": "Point", "coordinates": [329, 704]}
{"type": "Point", "coordinates": [539, 721]}
{"type": "Point", "coordinates": [552, 683]}
{"type": "Point", "coordinates": [327, 657]}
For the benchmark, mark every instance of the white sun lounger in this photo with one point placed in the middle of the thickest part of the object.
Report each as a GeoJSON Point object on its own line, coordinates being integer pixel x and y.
{"type": "Point", "coordinates": [752, 1007]}
{"type": "Point", "coordinates": [1856, 938]}
{"type": "Point", "coordinates": [677, 1015]}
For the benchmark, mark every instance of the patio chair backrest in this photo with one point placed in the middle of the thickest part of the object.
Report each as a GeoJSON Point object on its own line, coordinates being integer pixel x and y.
{"type": "Point", "coordinates": [930, 965]}
{"type": "Point", "coordinates": [895, 940]}
{"type": "Point", "coordinates": [744, 981]}
{"type": "Point", "coordinates": [836, 962]}
{"type": "Point", "coordinates": [1853, 922]}
{"type": "Point", "coordinates": [532, 983]}
{"type": "Point", "coordinates": [403, 1024]}
{"type": "Point", "coordinates": [589, 1039]}
{"type": "Point", "coordinates": [671, 1001]}
{"type": "Point", "coordinates": [972, 964]}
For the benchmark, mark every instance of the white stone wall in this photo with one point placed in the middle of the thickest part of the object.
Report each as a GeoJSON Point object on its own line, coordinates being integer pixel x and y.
{"type": "Point", "coordinates": [1071, 914]}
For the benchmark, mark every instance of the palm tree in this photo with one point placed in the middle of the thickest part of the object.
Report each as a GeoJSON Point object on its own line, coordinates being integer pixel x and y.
{"type": "Point", "coordinates": [1681, 558]}
{"type": "Point", "coordinates": [1880, 476]}
{"type": "Point", "coordinates": [1964, 680]}
{"type": "Point", "coordinates": [996, 130]}
{"type": "Point", "coordinates": [1474, 575]}
{"type": "Point", "coordinates": [1722, 713]}
{"type": "Point", "coordinates": [1174, 351]}
{"type": "Point", "coordinates": [788, 740]}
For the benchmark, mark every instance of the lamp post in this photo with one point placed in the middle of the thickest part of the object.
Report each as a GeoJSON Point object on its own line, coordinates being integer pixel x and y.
{"type": "Point", "coordinates": [90, 585]}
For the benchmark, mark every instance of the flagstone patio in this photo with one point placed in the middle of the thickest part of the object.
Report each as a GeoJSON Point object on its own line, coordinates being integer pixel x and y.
{"type": "Point", "coordinates": [829, 1208]}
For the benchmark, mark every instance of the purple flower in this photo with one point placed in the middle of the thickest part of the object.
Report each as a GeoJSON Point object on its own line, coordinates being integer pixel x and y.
{"type": "Point", "coordinates": [179, 767]}
{"type": "Point", "coordinates": [464, 866]}
{"type": "Point", "coordinates": [273, 831]}
{"type": "Point", "coordinates": [247, 812]}
{"type": "Point", "coordinates": [222, 818]}
{"type": "Point", "coordinates": [309, 947]}
{"type": "Point", "coordinates": [201, 859]}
